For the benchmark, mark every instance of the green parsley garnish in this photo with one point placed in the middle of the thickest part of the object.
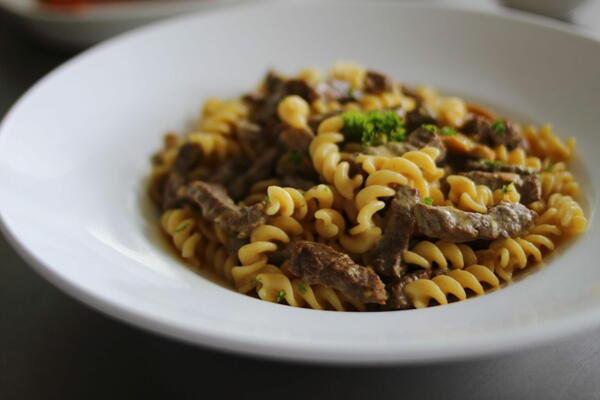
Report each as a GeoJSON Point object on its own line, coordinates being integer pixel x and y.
{"type": "Point", "coordinates": [492, 164]}
{"type": "Point", "coordinates": [280, 295]}
{"type": "Point", "coordinates": [302, 288]}
{"type": "Point", "coordinates": [430, 128]}
{"type": "Point", "coordinates": [549, 168]}
{"type": "Point", "coordinates": [296, 157]}
{"type": "Point", "coordinates": [427, 200]}
{"type": "Point", "coordinates": [508, 188]}
{"type": "Point", "coordinates": [182, 228]}
{"type": "Point", "coordinates": [448, 131]}
{"type": "Point", "coordinates": [499, 127]}
{"type": "Point", "coordinates": [373, 127]}
{"type": "Point", "coordinates": [350, 92]}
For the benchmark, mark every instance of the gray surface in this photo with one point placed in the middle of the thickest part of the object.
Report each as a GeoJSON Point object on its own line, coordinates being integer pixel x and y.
{"type": "Point", "coordinates": [51, 346]}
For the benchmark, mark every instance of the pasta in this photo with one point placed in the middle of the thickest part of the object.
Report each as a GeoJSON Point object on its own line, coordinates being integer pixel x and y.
{"type": "Point", "coordinates": [348, 191]}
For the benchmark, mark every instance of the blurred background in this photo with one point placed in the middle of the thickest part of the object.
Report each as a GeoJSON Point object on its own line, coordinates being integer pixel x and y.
{"type": "Point", "coordinates": [74, 24]}
{"type": "Point", "coordinates": [51, 346]}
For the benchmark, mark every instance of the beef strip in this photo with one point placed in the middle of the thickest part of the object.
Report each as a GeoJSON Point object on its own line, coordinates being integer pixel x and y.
{"type": "Point", "coordinates": [424, 138]}
{"type": "Point", "coordinates": [416, 140]}
{"type": "Point", "coordinates": [480, 129]}
{"type": "Point", "coordinates": [295, 169]}
{"type": "Point", "coordinates": [264, 107]}
{"type": "Point", "coordinates": [386, 256]}
{"type": "Point", "coordinates": [494, 166]}
{"type": "Point", "coordinates": [262, 168]}
{"type": "Point", "coordinates": [529, 186]}
{"type": "Point", "coordinates": [376, 82]}
{"type": "Point", "coordinates": [337, 90]}
{"type": "Point", "coordinates": [252, 138]}
{"type": "Point", "coordinates": [421, 115]}
{"type": "Point", "coordinates": [301, 88]}
{"type": "Point", "coordinates": [188, 156]}
{"type": "Point", "coordinates": [227, 171]}
{"type": "Point", "coordinates": [296, 139]}
{"type": "Point", "coordinates": [397, 299]}
{"type": "Point", "coordinates": [505, 219]}
{"type": "Point", "coordinates": [317, 263]}
{"type": "Point", "coordinates": [218, 207]}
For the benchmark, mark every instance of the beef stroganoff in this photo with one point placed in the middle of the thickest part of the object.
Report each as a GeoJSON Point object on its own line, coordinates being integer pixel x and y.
{"type": "Point", "coordinates": [349, 191]}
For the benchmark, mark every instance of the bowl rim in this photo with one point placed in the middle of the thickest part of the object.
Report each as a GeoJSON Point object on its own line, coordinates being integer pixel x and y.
{"type": "Point", "coordinates": [492, 344]}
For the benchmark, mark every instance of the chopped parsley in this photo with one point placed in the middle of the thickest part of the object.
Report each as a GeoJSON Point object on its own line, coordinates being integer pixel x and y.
{"type": "Point", "coordinates": [499, 127]}
{"type": "Point", "coordinates": [549, 168]}
{"type": "Point", "coordinates": [182, 228]}
{"type": "Point", "coordinates": [427, 200]}
{"type": "Point", "coordinates": [302, 288]}
{"type": "Point", "coordinates": [508, 188]}
{"type": "Point", "coordinates": [296, 157]}
{"type": "Point", "coordinates": [448, 131]}
{"type": "Point", "coordinates": [430, 128]}
{"type": "Point", "coordinates": [492, 164]}
{"type": "Point", "coordinates": [373, 127]}
{"type": "Point", "coordinates": [281, 295]}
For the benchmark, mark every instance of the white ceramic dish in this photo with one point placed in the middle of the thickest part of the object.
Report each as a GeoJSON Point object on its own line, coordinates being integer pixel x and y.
{"type": "Point", "coordinates": [74, 152]}
{"type": "Point", "coordinates": [71, 27]}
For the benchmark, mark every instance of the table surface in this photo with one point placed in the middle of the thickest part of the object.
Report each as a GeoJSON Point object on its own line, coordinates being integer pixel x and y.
{"type": "Point", "coordinates": [51, 346]}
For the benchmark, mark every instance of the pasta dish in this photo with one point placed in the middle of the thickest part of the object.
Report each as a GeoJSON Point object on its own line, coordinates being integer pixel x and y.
{"type": "Point", "coordinates": [350, 191]}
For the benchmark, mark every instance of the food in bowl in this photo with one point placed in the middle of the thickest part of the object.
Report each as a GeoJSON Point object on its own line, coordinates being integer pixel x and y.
{"type": "Point", "coordinates": [350, 191]}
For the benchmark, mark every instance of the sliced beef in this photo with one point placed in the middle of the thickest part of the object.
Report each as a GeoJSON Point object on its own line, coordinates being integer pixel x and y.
{"type": "Point", "coordinates": [296, 139]}
{"type": "Point", "coordinates": [218, 207]}
{"type": "Point", "coordinates": [397, 299]}
{"type": "Point", "coordinates": [481, 130]}
{"type": "Point", "coordinates": [295, 169]}
{"type": "Point", "coordinates": [188, 157]}
{"type": "Point", "coordinates": [253, 139]}
{"type": "Point", "coordinates": [416, 140]}
{"type": "Point", "coordinates": [386, 256]}
{"type": "Point", "coordinates": [495, 166]}
{"type": "Point", "coordinates": [505, 219]}
{"type": "Point", "coordinates": [529, 186]}
{"type": "Point", "coordinates": [301, 88]}
{"type": "Point", "coordinates": [421, 137]}
{"type": "Point", "coordinates": [421, 115]}
{"type": "Point", "coordinates": [376, 82]}
{"type": "Point", "coordinates": [227, 171]}
{"type": "Point", "coordinates": [337, 90]}
{"type": "Point", "coordinates": [317, 263]}
{"type": "Point", "coordinates": [262, 168]}
{"type": "Point", "coordinates": [389, 149]}
{"type": "Point", "coordinates": [264, 107]}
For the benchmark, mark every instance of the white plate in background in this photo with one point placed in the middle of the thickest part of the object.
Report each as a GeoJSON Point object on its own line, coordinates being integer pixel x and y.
{"type": "Point", "coordinates": [75, 149]}
{"type": "Point", "coordinates": [78, 27]}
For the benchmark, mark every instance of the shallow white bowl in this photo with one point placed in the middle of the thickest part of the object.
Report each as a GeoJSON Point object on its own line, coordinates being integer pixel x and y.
{"type": "Point", "coordinates": [74, 152]}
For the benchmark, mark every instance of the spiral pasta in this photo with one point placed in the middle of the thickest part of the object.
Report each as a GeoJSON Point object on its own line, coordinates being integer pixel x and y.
{"type": "Point", "coordinates": [451, 110]}
{"type": "Point", "coordinates": [453, 283]}
{"type": "Point", "coordinates": [338, 179]}
{"type": "Point", "coordinates": [181, 225]}
{"type": "Point", "coordinates": [544, 143]}
{"type": "Point", "coordinates": [516, 157]}
{"type": "Point", "coordinates": [442, 253]}
{"type": "Point", "coordinates": [465, 195]}
{"type": "Point", "coordinates": [215, 147]}
{"type": "Point", "coordinates": [414, 168]}
{"type": "Point", "coordinates": [221, 117]}
{"type": "Point", "coordinates": [326, 157]}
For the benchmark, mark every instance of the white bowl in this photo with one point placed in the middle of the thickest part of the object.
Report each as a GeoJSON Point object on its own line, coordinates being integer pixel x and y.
{"type": "Point", "coordinates": [74, 153]}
